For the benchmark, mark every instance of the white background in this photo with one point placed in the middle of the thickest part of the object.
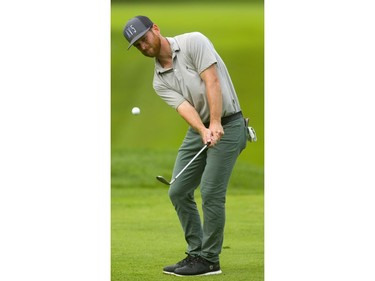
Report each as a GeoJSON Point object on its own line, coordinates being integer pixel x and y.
{"type": "Point", "coordinates": [55, 140]}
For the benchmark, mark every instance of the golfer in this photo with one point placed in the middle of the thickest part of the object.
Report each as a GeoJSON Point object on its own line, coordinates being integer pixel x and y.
{"type": "Point", "coordinates": [191, 77]}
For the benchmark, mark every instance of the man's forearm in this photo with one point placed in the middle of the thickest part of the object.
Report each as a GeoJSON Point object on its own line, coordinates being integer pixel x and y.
{"type": "Point", "coordinates": [213, 92]}
{"type": "Point", "coordinates": [191, 116]}
{"type": "Point", "coordinates": [215, 102]}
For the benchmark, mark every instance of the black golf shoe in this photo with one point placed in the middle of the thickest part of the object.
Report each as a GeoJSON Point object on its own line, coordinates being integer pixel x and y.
{"type": "Point", "coordinates": [171, 268]}
{"type": "Point", "coordinates": [198, 266]}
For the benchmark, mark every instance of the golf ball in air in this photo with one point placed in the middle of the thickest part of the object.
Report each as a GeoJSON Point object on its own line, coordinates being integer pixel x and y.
{"type": "Point", "coordinates": [136, 111]}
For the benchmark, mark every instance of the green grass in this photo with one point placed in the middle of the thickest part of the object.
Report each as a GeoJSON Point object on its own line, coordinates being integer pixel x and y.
{"type": "Point", "coordinates": [145, 232]}
{"type": "Point", "coordinates": [146, 236]}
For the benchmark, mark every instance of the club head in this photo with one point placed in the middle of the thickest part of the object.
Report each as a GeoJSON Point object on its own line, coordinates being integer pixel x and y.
{"type": "Point", "coordinates": [163, 180]}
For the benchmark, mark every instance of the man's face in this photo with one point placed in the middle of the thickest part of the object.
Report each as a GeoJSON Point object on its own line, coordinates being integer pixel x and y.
{"type": "Point", "coordinates": [149, 44]}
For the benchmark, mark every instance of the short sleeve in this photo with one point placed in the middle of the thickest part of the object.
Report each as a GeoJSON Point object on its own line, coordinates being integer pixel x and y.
{"type": "Point", "coordinates": [201, 51]}
{"type": "Point", "coordinates": [170, 96]}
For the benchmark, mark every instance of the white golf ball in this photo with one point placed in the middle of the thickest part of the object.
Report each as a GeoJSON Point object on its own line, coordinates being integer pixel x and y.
{"type": "Point", "coordinates": [136, 111]}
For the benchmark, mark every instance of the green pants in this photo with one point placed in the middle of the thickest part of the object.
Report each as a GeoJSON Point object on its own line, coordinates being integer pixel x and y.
{"type": "Point", "coordinates": [211, 170]}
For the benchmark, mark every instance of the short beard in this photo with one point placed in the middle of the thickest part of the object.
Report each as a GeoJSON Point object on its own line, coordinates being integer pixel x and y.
{"type": "Point", "coordinates": [156, 46]}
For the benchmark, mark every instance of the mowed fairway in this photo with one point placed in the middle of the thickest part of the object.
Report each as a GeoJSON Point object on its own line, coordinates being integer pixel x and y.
{"type": "Point", "coordinates": [145, 232]}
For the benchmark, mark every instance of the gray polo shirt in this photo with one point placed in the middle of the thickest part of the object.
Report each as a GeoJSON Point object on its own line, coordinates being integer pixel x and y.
{"type": "Point", "coordinates": [192, 53]}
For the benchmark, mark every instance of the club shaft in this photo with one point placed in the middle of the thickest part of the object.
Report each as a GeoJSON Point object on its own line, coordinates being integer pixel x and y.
{"type": "Point", "coordinates": [187, 165]}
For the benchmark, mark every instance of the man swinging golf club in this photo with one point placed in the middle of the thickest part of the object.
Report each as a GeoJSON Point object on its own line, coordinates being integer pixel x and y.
{"type": "Point", "coordinates": [191, 77]}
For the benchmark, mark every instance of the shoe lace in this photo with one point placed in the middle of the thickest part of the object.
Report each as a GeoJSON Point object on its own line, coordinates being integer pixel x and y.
{"type": "Point", "coordinates": [199, 259]}
{"type": "Point", "coordinates": [187, 260]}
{"type": "Point", "coordinates": [192, 260]}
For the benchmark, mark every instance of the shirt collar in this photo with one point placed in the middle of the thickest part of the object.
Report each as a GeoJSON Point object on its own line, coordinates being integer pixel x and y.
{"type": "Point", "coordinates": [174, 45]}
{"type": "Point", "coordinates": [175, 48]}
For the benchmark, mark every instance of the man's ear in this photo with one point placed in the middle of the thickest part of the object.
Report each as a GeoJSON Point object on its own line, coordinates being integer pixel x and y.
{"type": "Point", "coordinates": [155, 29]}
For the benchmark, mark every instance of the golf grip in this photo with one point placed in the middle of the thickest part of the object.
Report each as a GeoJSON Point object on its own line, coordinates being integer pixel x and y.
{"type": "Point", "coordinates": [187, 165]}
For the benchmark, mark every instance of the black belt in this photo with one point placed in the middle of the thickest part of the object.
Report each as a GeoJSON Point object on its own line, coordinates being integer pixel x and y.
{"type": "Point", "coordinates": [225, 120]}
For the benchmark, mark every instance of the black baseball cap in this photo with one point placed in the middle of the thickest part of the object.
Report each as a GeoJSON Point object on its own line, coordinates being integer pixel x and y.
{"type": "Point", "coordinates": [136, 28]}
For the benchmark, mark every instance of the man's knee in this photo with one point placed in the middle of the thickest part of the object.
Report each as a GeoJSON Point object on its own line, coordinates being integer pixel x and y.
{"type": "Point", "coordinates": [178, 195]}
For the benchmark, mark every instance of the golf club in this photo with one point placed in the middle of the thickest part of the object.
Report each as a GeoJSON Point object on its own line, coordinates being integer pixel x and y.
{"type": "Point", "coordinates": [163, 180]}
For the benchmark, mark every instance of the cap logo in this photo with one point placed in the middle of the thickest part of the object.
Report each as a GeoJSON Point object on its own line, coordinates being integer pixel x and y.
{"type": "Point", "coordinates": [136, 28]}
{"type": "Point", "coordinates": [130, 31]}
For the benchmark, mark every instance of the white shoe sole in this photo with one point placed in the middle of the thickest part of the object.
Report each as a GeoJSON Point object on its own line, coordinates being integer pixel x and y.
{"type": "Point", "coordinates": [167, 272]}
{"type": "Point", "coordinates": [203, 274]}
